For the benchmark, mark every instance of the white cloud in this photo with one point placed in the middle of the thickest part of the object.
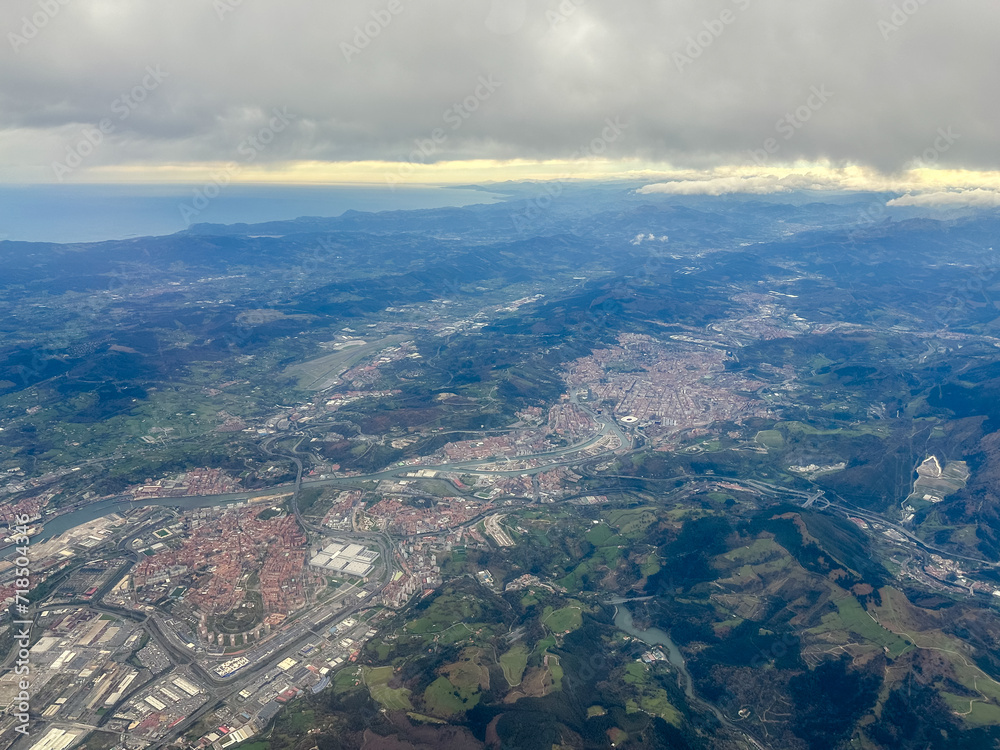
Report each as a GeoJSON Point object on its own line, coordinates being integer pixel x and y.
{"type": "Point", "coordinates": [925, 186]}
{"type": "Point", "coordinates": [561, 81]}
{"type": "Point", "coordinates": [977, 198]}
{"type": "Point", "coordinates": [756, 185]}
{"type": "Point", "coordinates": [640, 238]}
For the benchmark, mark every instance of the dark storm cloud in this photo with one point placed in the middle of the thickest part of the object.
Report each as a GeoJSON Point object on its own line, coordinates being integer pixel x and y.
{"type": "Point", "coordinates": [700, 82]}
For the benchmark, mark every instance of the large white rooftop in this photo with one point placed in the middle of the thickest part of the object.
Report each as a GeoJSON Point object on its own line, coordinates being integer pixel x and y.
{"type": "Point", "coordinates": [352, 559]}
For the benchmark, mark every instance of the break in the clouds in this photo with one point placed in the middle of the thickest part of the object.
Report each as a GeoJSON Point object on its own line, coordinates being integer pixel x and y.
{"type": "Point", "coordinates": [693, 84]}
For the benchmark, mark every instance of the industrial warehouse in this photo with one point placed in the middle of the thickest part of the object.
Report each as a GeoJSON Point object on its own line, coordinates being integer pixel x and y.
{"type": "Point", "coordinates": [352, 559]}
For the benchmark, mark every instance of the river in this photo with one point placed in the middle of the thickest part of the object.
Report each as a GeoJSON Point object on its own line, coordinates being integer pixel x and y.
{"type": "Point", "coordinates": [654, 637]}
{"type": "Point", "coordinates": [92, 511]}
{"type": "Point", "coordinates": [657, 637]}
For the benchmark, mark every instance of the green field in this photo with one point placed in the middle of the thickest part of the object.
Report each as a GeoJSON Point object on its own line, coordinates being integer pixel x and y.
{"type": "Point", "coordinates": [444, 699]}
{"type": "Point", "coordinates": [852, 617]}
{"type": "Point", "coordinates": [801, 428]}
{"type": "Point", "coordinates": [347, 679]}
{"type": "Point", "coordinates": [602, 535]}
{"type": "Point", "coordinates": [648, 696]}
{"type": "Point", "coordinates": [556, 670]}
{"type": "Point", "coordinates": [759, 551]}
{"type": "Point", "coordinates": [770, 439]}
{"type": "Point", "coordinates": [631, 522]}
{"type": "Point", "coordinates": [394, 699]}
{"type": "Point", "coordinates": [467, 674]}
{"type": "Point", "coordinates": [563, 620]}
{"type": "Point", "coordinates": [650, 566]}
{"type": "Point", "coordinates": [973, 711]}
{"type": "Point", "coordinates": [513, 663]}
{"type": "Point", "coordinates": [449, 612]}
{"type": "Point", "coordinates": [455, 632]}
{"type": "Point", "coordinates": [298, 720]}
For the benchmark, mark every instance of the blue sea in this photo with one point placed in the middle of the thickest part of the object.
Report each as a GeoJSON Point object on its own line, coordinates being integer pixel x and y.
{"type": "Point", "coordinates": [90, 213]}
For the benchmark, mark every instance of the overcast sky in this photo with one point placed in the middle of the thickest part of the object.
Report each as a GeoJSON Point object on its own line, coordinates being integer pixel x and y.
{"type": "Point", "coordinates": [685, 84]}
